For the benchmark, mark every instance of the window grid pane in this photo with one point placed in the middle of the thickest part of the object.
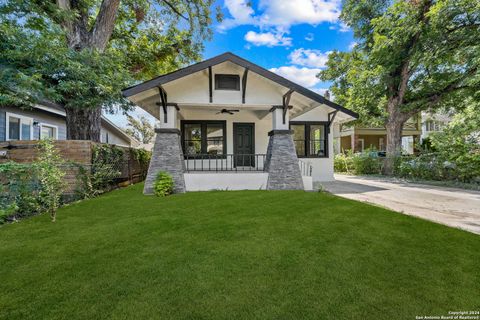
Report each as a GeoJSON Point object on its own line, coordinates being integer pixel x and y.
{"type": "Point", "coordinates": [203, 138]}
{"type": "Point", "coordinates": [310, 139]}
{"type": "Point", "coordinates": [14, 128]}
{"type": "Point", "coordinates": [47, 133]}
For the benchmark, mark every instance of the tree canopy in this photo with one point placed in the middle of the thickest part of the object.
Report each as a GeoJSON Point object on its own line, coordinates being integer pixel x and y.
{"type": "Point", "coordinates": [81, 53]}
{"type": "Point", "coordinates": [412, 55]}
{"type": "Point", "coordinates": [140, 128]}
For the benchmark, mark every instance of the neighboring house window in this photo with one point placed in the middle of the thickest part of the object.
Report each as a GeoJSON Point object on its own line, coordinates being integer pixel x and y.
{"type": "Point", "coordinates": [203, 137]}
{"type": "Point", "coordinates": [360, 145]}
{"type": "Point", "coordinates": [310, 139]}
{"type": "Point", "coordinates": [19, 127]}
{"type": "Point", "coordinates": [48, 131]}
{"type": "Point", "coordinates": [227, 82]}
{"type": "Point", "coordinates": [432, 125]}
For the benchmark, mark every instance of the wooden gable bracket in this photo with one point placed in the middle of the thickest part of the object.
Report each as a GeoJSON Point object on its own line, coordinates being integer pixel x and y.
{"type": "Point", "coordinates": [210, 91]}
{"type": "Point", "coordinates": [163, 102]}
{"type": "Point", "coordinates": [244, 84]}
{"type": "Point", "coordinates": [331, 117]}
{"type": "Point", "coordinates": [286, 102]}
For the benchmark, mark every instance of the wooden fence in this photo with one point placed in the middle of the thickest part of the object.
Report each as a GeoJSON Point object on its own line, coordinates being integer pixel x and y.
{"type": "Point", "coordinates": [76, 153]}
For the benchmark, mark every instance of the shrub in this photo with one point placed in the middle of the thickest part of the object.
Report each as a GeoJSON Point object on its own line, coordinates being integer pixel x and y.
{"type": "Point", "coordinates": [7, 212]}
{"type": "Point", "coordinates": [28, 189]}
{"type": "Point", "coordinates": [106, 161]}
{"type": "Point", "coordinates": [50, 176]}
{"type": "Point", "coordinates": [366, 162]}
{"type": "Point", "coordinates": [99, 178]}
{"type": "Point", "coordinates": [343, 162]}
{"type": "Point", "coordinates": [19, 189]}
{"type": "Point", "coordinates": [143, 157]}
{"type": "Point", "coordinates": [163, 185]}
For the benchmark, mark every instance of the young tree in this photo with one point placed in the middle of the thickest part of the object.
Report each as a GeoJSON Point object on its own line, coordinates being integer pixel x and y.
{"type": "Point", "coordinates": [412, 55]}
{"type": "Point", "coordinates": [80, 53]}
{"type": "Point", "coordinates": [140, 129]}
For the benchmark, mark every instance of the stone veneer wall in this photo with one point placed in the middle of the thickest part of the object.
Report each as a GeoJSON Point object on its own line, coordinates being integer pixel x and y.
{"type": "Point", "coordinates": [282, 162]}
{"type": "Point", "coordinates": [167, 155]}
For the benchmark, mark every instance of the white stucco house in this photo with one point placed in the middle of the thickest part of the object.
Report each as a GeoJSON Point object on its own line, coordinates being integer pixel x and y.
{"type": "Point", "coordinates": [227, 123]}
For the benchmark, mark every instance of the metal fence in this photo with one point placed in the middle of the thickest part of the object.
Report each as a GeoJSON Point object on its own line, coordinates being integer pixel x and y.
{"type": "Point", "coordinates": [225, 162]}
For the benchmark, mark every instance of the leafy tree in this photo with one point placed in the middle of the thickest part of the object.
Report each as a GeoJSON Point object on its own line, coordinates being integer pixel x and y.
{"type": "Point", "coordinates": [413, 55]}
{"type": "Point", "coordinates": [459, 142]}
{"type": "Point", "coordinates": [80, 53]}
{"type": "Point", "coordinates": [140, 129]}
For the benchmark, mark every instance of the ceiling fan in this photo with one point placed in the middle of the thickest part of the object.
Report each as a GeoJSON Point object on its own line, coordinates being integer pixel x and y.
{"type": "Point", "coordinates": [228, 111]}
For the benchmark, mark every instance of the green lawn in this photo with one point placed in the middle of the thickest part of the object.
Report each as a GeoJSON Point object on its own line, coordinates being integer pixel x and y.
{"type": "Point", "coordinates": [234, 255]}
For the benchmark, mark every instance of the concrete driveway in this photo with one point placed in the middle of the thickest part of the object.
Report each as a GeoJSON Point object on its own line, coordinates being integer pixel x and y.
{"type": "Point", "coordinates": [449, 206]}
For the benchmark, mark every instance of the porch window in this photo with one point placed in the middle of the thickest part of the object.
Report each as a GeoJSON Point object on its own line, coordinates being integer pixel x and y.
{"type": "Point", "coordinates": [203, 137]}
{"type": "Point", "coordinates": [310, 139]}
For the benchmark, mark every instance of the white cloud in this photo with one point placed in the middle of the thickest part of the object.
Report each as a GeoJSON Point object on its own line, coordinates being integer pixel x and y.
{"type": "Point", "coordinates": [344, 27]}
{"type": "Point", "coordinates": [241, 12]}
{"type": "Point", "coordinates": [286, 13]}
{"type": "Point", "coordinates": [268, 39]}
{"type": "Point", "coordinates": [306, 77]}
{"type": "Point", "coordinates": [309, 37]}
{"type": "Point", "coordinates": [352, 45]}
{"type": "Point", "coordinates": [309, 58]}
{"type": "Point", "coordinates": [281, 14]}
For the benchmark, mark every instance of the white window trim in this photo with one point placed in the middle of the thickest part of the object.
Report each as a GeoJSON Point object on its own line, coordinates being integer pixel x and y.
{"type": "Point", "coordinates": [381, 143]}
{"type": "Point", "coordinates": [22, 118]}
{"type": "Point", "coordinates": [48, 126]}
{"type": "Point", "coordinates": [362, 140]}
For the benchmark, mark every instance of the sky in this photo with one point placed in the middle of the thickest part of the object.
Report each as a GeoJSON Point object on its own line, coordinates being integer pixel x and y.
{"type": "Point", "coordinates": [289, 37]}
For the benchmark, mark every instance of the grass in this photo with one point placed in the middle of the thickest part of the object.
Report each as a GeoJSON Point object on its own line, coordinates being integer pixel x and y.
{"type": "Point", "coordinates": [234, 255]}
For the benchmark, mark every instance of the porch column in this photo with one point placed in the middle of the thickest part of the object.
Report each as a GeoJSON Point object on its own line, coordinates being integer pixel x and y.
{"type": "Point", "coordinates": [282, 162]}
{"type": "Point", "coordinates": [167, 154]}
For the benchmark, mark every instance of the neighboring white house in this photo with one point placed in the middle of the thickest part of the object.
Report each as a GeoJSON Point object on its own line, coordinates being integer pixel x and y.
{"type": "Point", "coordinates": [47, 120]}
{"type": "Point", "coordinates": [433, 122]}
{"type": "Point", "coordinates": [227, 123]}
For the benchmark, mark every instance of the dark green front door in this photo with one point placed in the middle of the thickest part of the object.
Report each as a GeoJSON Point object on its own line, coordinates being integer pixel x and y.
{"type": "Point", "coordinates": [244, 144]}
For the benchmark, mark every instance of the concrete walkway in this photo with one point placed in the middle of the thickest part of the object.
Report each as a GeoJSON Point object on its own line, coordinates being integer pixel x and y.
{"type": "Point", "coordinates": [449, 206]}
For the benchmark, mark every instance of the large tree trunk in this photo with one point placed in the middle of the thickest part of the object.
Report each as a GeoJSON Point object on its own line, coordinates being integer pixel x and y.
{"type": "Point", "coordinates": [394, 144]}
{"type": "Point", "coordinates": [83, 124]}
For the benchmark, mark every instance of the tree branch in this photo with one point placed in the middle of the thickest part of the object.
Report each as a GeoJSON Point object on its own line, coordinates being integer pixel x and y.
{"type": "Point", "coordinates": [174, 9]}
{"type": "Point", "coordinates": [104, 24]}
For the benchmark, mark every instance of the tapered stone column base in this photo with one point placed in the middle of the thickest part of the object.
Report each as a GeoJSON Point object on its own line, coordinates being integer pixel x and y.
{"type": "Point", "coordinates": [282, 162]}
{"type": "Point", "coordinates": [167, 155]}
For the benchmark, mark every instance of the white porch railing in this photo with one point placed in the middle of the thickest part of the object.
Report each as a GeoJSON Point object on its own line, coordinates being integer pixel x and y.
{"type": "Point", "coordinates": [225, 162]}
{"type": "Point", "coordinates": [305, 168]}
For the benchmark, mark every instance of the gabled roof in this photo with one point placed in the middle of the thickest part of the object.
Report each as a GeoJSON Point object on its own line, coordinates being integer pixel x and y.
{"type": "Point", "coordinates": [228, 56]}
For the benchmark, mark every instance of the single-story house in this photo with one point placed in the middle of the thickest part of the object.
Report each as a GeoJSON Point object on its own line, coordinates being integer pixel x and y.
{"type": "Point", "coordinates": [47, 120]}
{"type": "Point", "coordinates": [358, 138]}
{"type": "Point", "coordinates": [227, 123]}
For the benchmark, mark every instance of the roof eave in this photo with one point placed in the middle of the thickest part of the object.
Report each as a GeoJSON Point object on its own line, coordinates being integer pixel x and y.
{"type": "Point", "coordinates": [228, 56]}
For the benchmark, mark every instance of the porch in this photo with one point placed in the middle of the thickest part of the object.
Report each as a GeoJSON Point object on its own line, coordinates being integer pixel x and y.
{"type": "Point", "coordinates": [225, 148]}
{"type": "Point", "coordinates": [233, 172]}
